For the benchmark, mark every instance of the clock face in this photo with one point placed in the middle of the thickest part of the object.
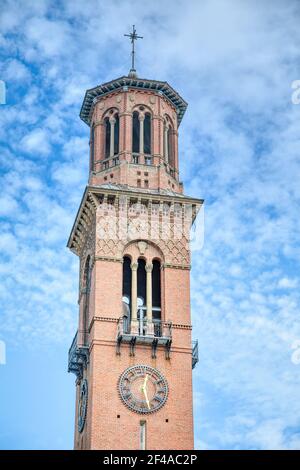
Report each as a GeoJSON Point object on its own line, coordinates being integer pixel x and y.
{"type": "Point", "coordinates": [82, 405]}
{"type": "Point", "coordinates": [143, 389]}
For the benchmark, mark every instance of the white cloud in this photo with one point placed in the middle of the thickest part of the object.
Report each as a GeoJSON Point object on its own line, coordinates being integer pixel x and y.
{"type": "Point", "coordinates": [287, 283]}
{"type": "Point", "coordinates": [14, 70]}
{"type": "Point", "coordinates": [8, 205]}
{"type": "Point", "coordinates": [36, 142]}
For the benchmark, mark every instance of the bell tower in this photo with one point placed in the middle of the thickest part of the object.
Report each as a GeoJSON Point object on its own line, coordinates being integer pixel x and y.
{"type": "Point", "coordinates": [133, 352]}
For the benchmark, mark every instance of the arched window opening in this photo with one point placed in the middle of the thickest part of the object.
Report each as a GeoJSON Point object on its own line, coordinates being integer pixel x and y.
{"type": "Point", "coordinates": [107, 137]}
{"type": "Point", "coordinates": [170, 147]}
{"type": "Point", "coordinates": [116, 135]}
{"type": "Point", "coordinates": [141, 296]}
{"type": "Point", "coordinates": [156, 291]}
{"type": "Point", "coordinates": [127, 277]}
{"type": "Point", "coordinates": [147, 134]}
{"type": "Point", "coordinates": [141, 280]}
{"type": "Point", "coordinates": [92, 148]}
{"type": "Point", "coordinates": [87, 288]}
{"type": "Point", "coordinates": [135, 132]}
{"type": "Point", "coordinates": [126, 293]}
{"type": "Point", "coordinates": [141, 299]}
{"type": "Point", "coordinates": [87, 274]}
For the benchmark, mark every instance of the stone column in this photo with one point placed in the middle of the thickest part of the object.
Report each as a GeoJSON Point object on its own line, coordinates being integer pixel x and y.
{"type": "Point", "coordinates": [112, 137]}
{"type": "Point", "coordinates": [141, 119]}
{"type": "Point", "coordinates": [149, 267]}
{"type": "Point", "coordinates": [134, 323]}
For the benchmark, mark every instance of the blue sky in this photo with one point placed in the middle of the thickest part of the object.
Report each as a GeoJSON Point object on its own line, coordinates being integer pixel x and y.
{"type": "Point", "coordinates": [234, 62]}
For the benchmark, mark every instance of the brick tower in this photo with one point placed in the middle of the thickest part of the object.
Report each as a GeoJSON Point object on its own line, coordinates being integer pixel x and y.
{"type": "Point", "coordinates": [133, 354]}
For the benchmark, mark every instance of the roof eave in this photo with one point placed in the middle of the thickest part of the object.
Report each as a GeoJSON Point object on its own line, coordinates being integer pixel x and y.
{"type": "Point", "coordinates": [101, 90]}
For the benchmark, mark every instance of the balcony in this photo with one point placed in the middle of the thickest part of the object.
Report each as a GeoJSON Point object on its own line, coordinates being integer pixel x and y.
{"type": "Point", "coordinates": [142, 159]}
{"type": "Point", "coordinates": [135, 158]}
{"type": "Point", "coordinates": [155, 334]}
{"type": "Point", "coordinates": [78, 358]}
{"type": "Point", "coordinates": [109, 162]}
{"type": "Point", "coordinates": [195, 356]}
{"type": "Point", "coordinates": [116, 161]}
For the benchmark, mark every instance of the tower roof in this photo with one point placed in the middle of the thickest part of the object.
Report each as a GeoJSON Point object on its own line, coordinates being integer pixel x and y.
{"type": "Point", "coordinates": [162, 88]}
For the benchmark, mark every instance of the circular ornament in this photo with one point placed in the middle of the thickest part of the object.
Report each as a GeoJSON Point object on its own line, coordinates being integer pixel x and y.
{"type": "Point", "coordinates": [143, 389]}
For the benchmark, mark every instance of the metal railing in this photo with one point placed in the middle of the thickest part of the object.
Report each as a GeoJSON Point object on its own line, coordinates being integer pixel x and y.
{"type": "Point", "coordinates": [78, 357]}
{"type": "Point", "coordinates": [145, 159]}
{"type": "Point", "coordinates": [135, 158]}
{"type": "Point", "coordinates": [160, 328]}
{"type": "Point", "coordinates": [109, 162]}
{"type": "Point", "coordinates": [195, 353]}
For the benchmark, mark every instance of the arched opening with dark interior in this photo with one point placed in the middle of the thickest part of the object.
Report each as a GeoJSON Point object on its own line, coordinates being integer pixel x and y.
{"type": "Point", "coordinates": [171, 147]}
{"type": "Point", "coordinates": [147, 134]}
{"type": "Point", "coordinates": [141, 280]}
{"type": "Point", "coordinates": [135, 132]}
{"type": "Point", "coordinates": [87, 289]}
{"type": "Point", "coordinates": [107, 137]}
{"type": "Point", "coordinates": [126, 290]}
{"type": "Point", "coordinates": [156, 291]}
{"type": "Point", "coordinates": [127, 277]}
{"type": "Point", "coordinates": [116, 135]}
{"type": "Point", "coordinates": [92, 148]}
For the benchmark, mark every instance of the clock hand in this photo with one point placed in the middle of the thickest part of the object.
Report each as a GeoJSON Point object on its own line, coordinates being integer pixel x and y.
{"type": "Point", "coordinates": [147, 399]}
{"type": "Point", "coordinates": [144, 390]}
{"type": "Point", "coordinates": [145, 381]}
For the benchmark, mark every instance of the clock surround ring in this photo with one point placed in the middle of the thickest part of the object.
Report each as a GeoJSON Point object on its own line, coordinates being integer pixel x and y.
{"type": "Point", "coordinates": [157, 380]}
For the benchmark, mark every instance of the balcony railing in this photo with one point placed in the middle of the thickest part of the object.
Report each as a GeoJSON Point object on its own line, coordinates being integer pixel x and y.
{"type": "Point", "coordinates": [78, 358]}
{"type": "Point", "coordinates": [160, 329]}
{"type": "Point", "coordinates": [155, 333]}
{"type": "Point", "coordinates": [138, 158]}
{"type": "Point", "coordinates": [195, 356]}
{"type": "Point", "coordinates": [135, 158]}
{"type": "Point", "coordinates": [109, 162]}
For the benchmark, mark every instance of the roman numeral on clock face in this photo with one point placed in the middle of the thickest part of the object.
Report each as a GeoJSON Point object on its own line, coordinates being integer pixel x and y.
{"type": "Point", "coordinates": [158, 398]}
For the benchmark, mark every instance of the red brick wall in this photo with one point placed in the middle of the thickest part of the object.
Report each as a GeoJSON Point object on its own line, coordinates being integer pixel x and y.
{"type": "Point", "coordinates": [106, 431]}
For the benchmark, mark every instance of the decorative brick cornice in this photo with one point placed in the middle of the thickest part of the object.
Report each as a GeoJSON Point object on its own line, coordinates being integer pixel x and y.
{"type": "Point", "coordinates": [103, 319]}
{"type": "Point", "coordinates": [178, 326]}
{"type": "Point", "coordinates": [94, 194]}
{"type": "Point", "coordinates": [163, 89]}
{"type": "Point", "coordinates": [108, 258]}
{"type": "Point", "coordinates": [83, 223]}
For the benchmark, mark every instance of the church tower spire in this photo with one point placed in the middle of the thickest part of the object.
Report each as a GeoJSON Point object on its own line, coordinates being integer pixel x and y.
{"type": "Point", "coordinates": [133, 353]}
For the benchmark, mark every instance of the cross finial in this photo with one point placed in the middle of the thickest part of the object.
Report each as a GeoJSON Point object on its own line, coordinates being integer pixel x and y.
{"type": "Point", "coordinates": [133, 37]}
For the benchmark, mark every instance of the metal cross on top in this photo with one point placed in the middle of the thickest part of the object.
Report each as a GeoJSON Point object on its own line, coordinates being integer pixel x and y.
{"type": "Point", "coordinates": [133, 37]}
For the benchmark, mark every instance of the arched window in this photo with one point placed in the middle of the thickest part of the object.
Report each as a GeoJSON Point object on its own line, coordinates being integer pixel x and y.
{"type": "Point", "coordinates": [116, 135]}
{"type": "Point", "coordinates": [92, 148]}
{"type": "Point", "coordinates": [107, 137]}
{"type": "Point", "coordinates": [111, 134]}
{"type": "Point", "coordinates": [170, 147]}
{"type": "Point", "coordinates": [127, 277]}
{"type": "Point", "coordinates": [135, 132]}
{"type": "Point", "coordinates": [156, 291]}
{"type": "Point", "coordinates": [87, 287]}
{"type": "Point", "coordinates": [147, 134]}
{"type": "Point", "coordinates": [126, 300]}
{"type": "Point", "coordinates": [141, 280]}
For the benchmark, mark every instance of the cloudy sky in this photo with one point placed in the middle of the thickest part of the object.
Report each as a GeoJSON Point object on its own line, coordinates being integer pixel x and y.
{"type": "Point", "coordinates": [234, 62]}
